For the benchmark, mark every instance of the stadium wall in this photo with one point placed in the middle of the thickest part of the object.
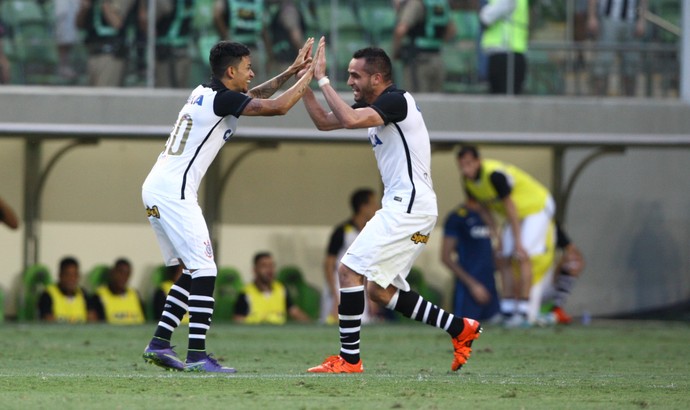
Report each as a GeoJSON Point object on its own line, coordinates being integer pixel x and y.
{"type": "Point", "coordinates": [629, 213]}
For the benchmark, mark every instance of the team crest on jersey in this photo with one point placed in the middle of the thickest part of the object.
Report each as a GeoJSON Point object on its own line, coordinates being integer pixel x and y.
{"type": "Point", "coordinates": [209, 249]}
{"type": "Point", "coordinates": [375, 140]}
{"type": "Point", "coordinates": [419, 237]}
{"type": "Point", "coordinates": [196, 99]}
{"type": "Point", "coordinates": [228, 134]}
{"type": "Point", "coordinates": [153, 212]}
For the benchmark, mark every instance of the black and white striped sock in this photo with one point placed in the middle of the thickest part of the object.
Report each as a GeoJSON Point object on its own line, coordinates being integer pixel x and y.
{"type": "Point", "coordinates": [174, 310]}
{"type": "Point", "coordinates": [350, 313]}
{"type": "Point", "coordinates": [411, 304]}
{"type": "Point", "coordinates": [201, 304]}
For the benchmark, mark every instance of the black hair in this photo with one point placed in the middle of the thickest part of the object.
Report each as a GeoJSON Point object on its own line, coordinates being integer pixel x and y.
{"type": "Point", "coordinates": [68, 261]}
{"type": "Point", "coordinates": [468, 149]}
{"type": "Point", "coordinates": [360, 198]}
{"type": "Point", "coordinates": [225, 54]}
{"type": "Point", "coordinates": [260, 255]}
{"type": "Point", "coordinates": [377, 61]}
{"type": "Point", "coordinates": [122, 261]}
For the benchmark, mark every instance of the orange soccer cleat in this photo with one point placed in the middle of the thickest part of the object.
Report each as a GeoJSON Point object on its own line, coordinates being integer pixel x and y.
{"type": "Point", "coordinates": [336, 364]}
{"type": "Point", "coordinates": [462, 343]}
{"type": "Point", "coordinates": [561, 317]}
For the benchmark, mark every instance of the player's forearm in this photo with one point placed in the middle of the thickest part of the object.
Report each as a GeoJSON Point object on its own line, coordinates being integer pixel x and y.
{"type": "Point", "coordinates": [285, 101]}
{"type": "Point", "coordinates": [318, 114]}
{"type": "Point", "coordinates": [267, 89]}
{"type": "Point", "coordinates": [345, 114]}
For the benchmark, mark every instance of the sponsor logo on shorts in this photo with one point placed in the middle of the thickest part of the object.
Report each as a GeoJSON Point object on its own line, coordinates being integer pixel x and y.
{"type": "Point", "coordinates": [209, 249]}
{"type": "Point", "coordinates": [153, 212]}
{"type": "Point", "coordinates": [397, 198]}
{"type": "Point", "coordinates": [419, 237]}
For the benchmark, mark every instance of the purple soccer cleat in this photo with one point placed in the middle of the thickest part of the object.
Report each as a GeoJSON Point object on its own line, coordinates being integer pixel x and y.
{"type": "Point", "coordinates": [207, 365]}
{"type": "Point", "coordinates": [165, 358]}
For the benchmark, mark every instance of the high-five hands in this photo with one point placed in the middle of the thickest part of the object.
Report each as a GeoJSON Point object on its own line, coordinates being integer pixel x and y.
{"type": "Point", "coordinates": [303, 58]}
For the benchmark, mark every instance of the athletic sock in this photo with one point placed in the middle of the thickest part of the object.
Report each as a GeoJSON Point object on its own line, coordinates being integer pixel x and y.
{"type": "Point", "coordinates": [174, 310]}
{"type": "Point", "coordinates": [564, 285]}
{"type": "Point", "coordinates": [508, 307]}
{"type": "Point", "coordinates": [201, 304]}
{"type": "Point", "coordinates": [522, 307]}
{"type": "Point", "coordinates": [350, 311]}
{"type": "Point", "coordinates": [412, 305]}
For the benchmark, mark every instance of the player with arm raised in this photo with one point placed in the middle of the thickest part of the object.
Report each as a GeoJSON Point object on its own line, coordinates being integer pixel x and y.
{"type": "Point", "coordinates": [207, 120]}
{"type": "Point", "coordinates": [385, 250]}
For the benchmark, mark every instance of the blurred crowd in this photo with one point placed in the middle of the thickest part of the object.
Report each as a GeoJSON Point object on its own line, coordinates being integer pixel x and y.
{"type": "Point", "coordinates": [578, 47]}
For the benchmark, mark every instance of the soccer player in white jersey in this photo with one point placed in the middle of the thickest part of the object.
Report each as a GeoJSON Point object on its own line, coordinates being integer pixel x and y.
{"type": "Point", "coordinates": [206, 121]}
{"type": "Point", "coordinates": [385, 250]}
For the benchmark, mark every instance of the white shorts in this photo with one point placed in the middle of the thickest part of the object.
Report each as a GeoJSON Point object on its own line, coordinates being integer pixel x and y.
{"type": "Point", "coordinates": [388, 246]}
{"type": "Point", "coordinates": [534, 231]}
{"type": "Point", "coordinates": [181, 231]}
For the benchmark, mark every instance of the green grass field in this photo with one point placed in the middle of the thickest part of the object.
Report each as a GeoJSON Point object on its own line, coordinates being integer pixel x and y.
{"type": "Point", "coordinates": [608, 365]}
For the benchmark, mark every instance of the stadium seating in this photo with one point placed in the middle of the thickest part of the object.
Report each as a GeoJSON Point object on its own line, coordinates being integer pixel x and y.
{"type": "Point", "coordinates": [229, 284]}
{"type": "Point", "coordinates": [96, 277]}
{"type": "Point", "coordinates": [460, 55]}
{"type": "Point", "coordinates": [31, 47]}
{"type": "Point", "coordinates": [34, 279]}
{"type": "Point", "coordinates": [302, 293]}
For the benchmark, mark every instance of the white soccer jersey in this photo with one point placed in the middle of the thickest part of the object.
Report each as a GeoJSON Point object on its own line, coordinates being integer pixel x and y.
{"type": "Point", "coordinates": [205, 123]}
{"type": "Point", "coordinates": [403, 154]}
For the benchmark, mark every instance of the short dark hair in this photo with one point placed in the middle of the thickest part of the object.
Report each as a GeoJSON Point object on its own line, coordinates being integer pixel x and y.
{"type": "Point", "coordinates": [68, 261]}
{"type": "Point", "coordinates": [122, 261]}
{"type": "Point", "coordinates": [377, 61]}
{"type": "Point", "coordinates": [225, 54]}
{"type": "Point", "coordinates": [360, 198]}
{"type": "Point", "coordinates": [260, 255]}
{"type": "Point", "coordinates": [468, 149]}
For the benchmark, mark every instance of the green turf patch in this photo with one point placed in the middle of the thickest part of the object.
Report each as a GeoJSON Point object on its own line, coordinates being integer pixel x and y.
{"type": "Point", "coordinates": [611, 364]}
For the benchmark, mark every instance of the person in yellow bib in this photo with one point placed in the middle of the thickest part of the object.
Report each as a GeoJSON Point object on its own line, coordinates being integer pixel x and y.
{"type": "Point", "coordinates": [527, 244]}
{"type": "Point", "coordinates": [116, 303]}
{"type": "Point", "coordinates": [65, 301]}
{"type": "Point", "coordinates": [265, 300]}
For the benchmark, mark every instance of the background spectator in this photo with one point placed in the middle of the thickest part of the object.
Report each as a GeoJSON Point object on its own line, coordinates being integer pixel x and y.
{"type": "Point", "coordinates": [66, 301]}
{"type": "Point", "coordinates": [285, 34]}
{"type": "Point", "coordinates": [616, 23]}
{"type": "Point", "coordinates": [4, 61]}
{"type": "Point", "coordinates": [173, 35]}
{"type": "Point", "coordinates": [468, 252]}
{"type": "Point", "coordinates": [505, 34]}
{"type": "Point", "coordinates": [527, 240]}
{"type": "Point", "coordinates": [66, 37]}
{"type": "Point", "coordinates": [105, 23]}
{"type": "Point", "coordinates": [266, 300]}
{"type": "Point", "coordinates": [244, 22]}
{"type": "Point", "coordinates": [117, 303]}
{"type": "Point", "coordinates": [422, 27]}
{"type": "Point", "coordinates": [364, 205]}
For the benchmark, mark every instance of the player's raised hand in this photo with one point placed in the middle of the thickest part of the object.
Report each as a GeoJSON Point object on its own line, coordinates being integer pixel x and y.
{"type": "Point", "coordinates": [303, 58]}
{"type": "Point", "coordinates": [320, 59]}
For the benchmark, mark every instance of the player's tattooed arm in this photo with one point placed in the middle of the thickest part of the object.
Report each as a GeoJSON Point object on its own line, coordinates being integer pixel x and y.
{"type": "Point", "coordinates": [302, 61]}
{"type": "Point", "coordinates": [269, 88]}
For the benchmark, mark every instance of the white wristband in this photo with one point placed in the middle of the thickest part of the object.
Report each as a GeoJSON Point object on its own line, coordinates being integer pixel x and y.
{"type": "Point", "coordinates": [323, 81]}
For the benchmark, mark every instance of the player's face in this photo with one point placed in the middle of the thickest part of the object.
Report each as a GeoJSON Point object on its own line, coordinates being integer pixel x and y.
{"type": "Point", "coordinates": [360, 81]}
{"type": "Point", "coordinates": [370, 208]}
{"type": "Point", "coordinates": [242, 75]}
{"type": "Point", "coordinates": [265, 269]}
{"type": "Point", "coordinates": [69, 278]}
{"type": "Point", "coordinates": [120, 276]}
{"type": "Point", "coordinates": [469, 166]}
